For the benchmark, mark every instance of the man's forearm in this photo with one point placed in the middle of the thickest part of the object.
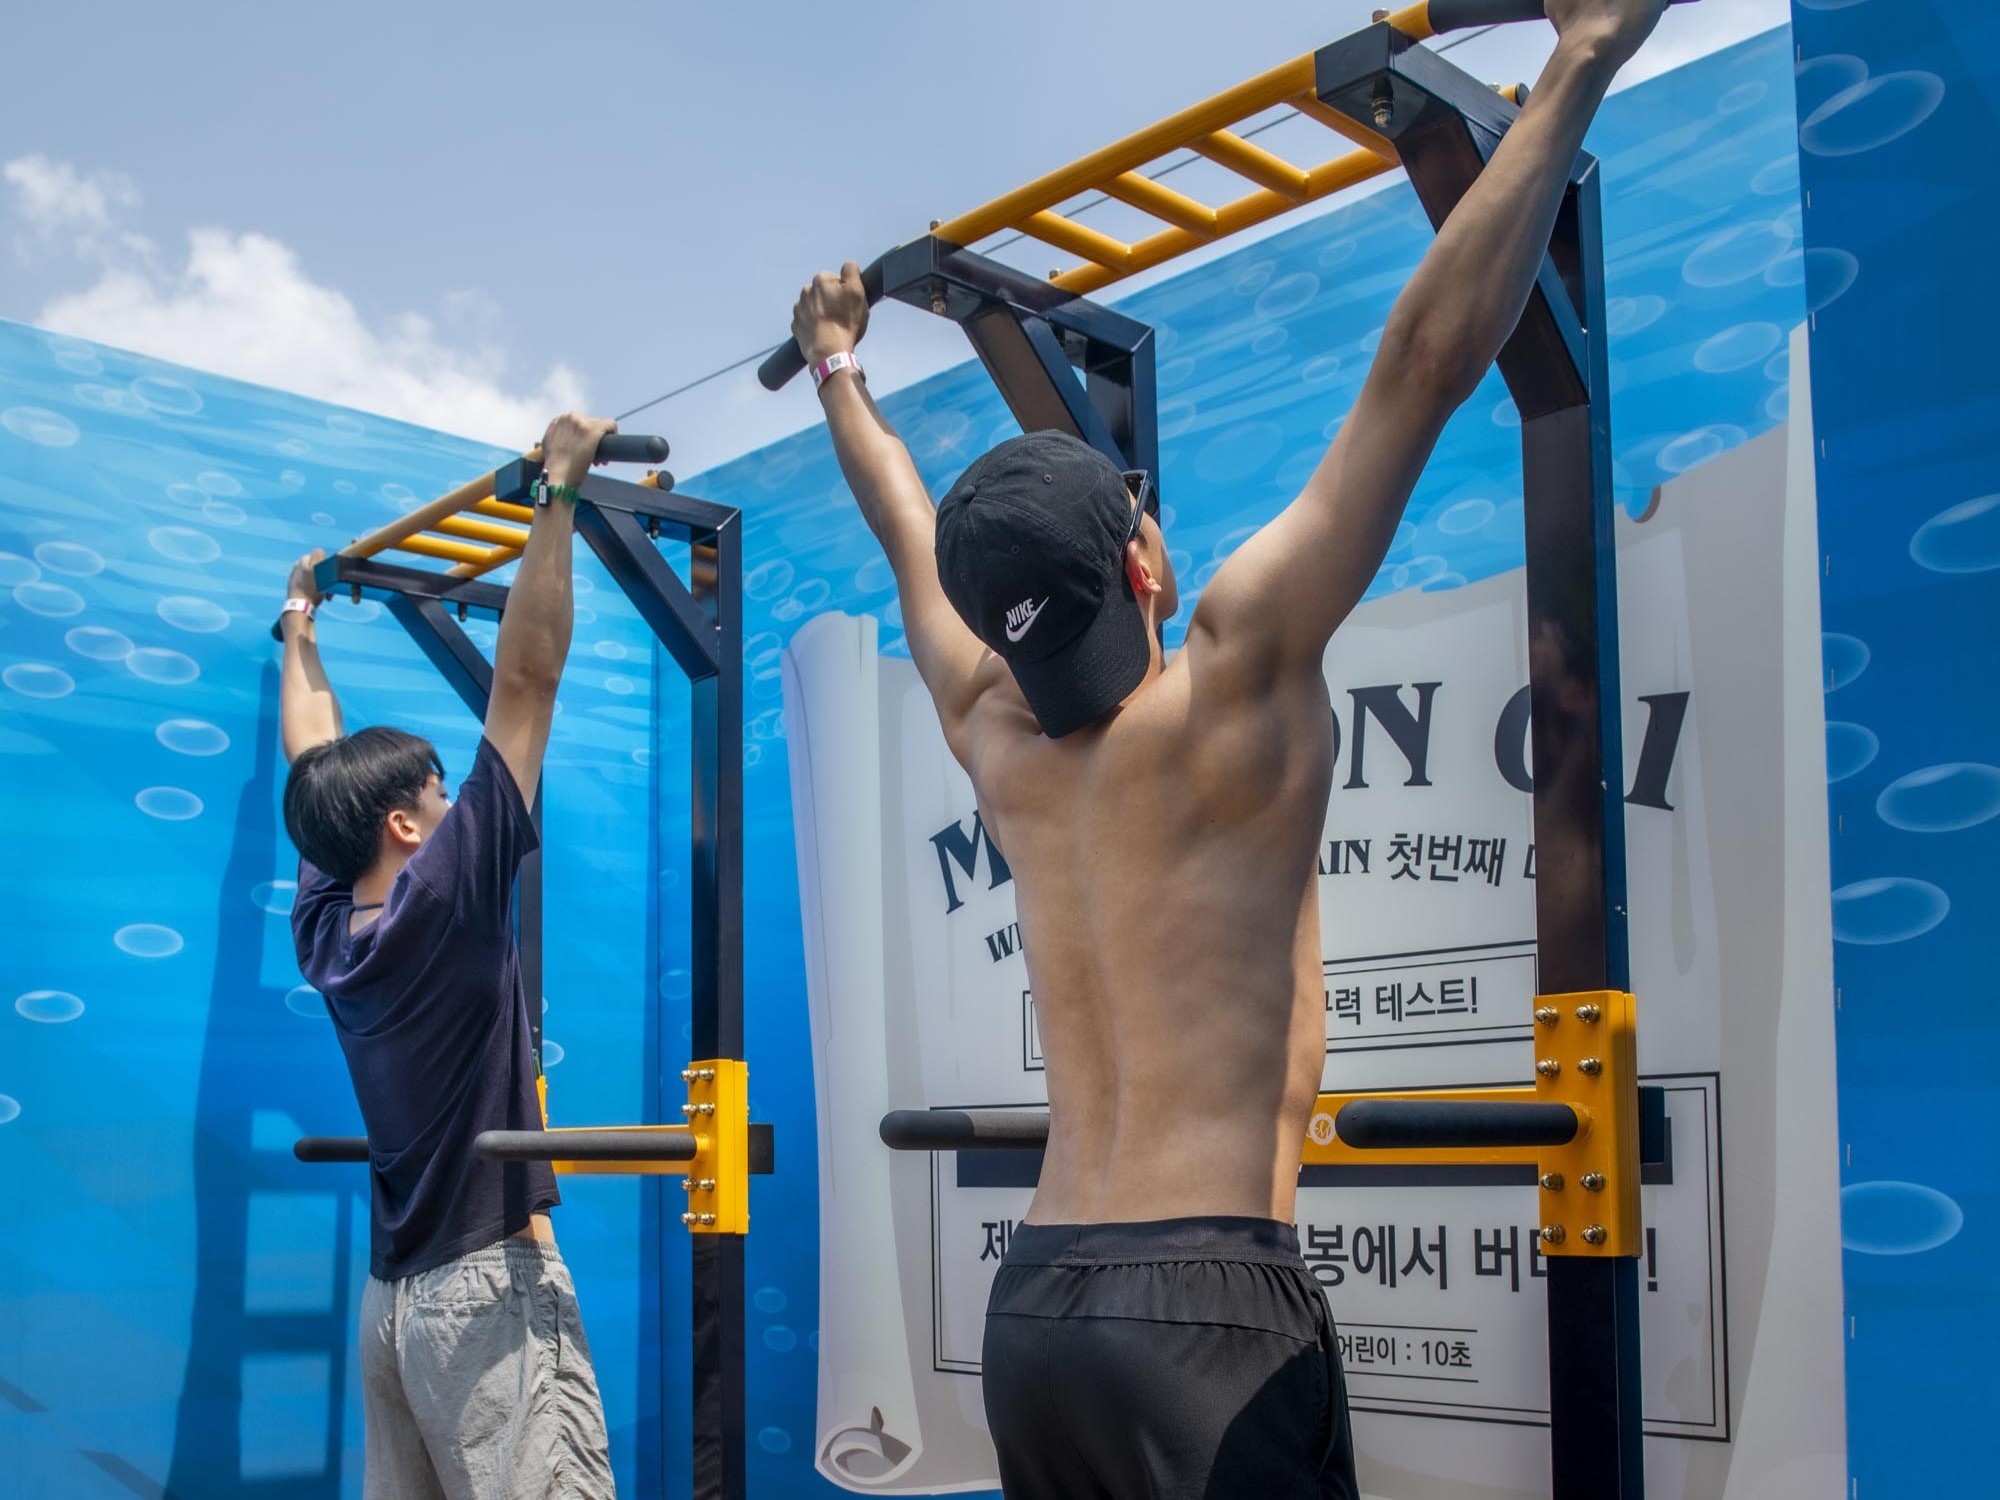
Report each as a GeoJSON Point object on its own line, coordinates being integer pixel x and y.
{"type": "Point", "coordinates": [308, 711]}
{"type": "Point", "coordinates": [535, 630]}
{"type": "Point", "coordinates": [873, 459]}
{"type": "Point", "coordinates": [1466, 297]}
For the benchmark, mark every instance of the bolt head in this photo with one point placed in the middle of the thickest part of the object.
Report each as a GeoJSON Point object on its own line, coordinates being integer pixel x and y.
{"type": "Point", "coordinates": [1590, 1015]}
{"type": "Point", "coordinates": [1591, 1065]}
{"type": "Point", "coordinates": [687, 1218]}
{"type": "Point", "coordinates": [1547, 1015]}
{"type": "Point", "coordinates": [1593, 1182]}
{"type": "Point", "coordinates": [1594, 1235]}
{"type": "Point", "coordinates": [1548, 1067]}
{"type": "Point", "coordinates": [1552, 1182]}
{"type": "Point", "coordinates": [1552, 1234]}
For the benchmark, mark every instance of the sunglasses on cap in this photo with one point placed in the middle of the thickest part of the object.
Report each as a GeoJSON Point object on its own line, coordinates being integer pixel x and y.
{"type": "Point", "coordinates": [1145, 499]}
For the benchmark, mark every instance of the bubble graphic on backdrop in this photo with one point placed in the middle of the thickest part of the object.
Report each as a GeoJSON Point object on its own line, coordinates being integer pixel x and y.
{"type": "Point", "coordinates": [217, 482]}
{"type": "Point", "coordinates": [774, 1440]}
{"type": "Point", "coordinates": [50, 429]}
{"type": "Point", "coordinates": [1734, 255]}
{"type": "Point", "coordinates": [158, 664]}
{"type": "Point", "coordinates": [780, 1338]}
{"type": "Point", "coordinates": [321, 518]}
{"type": "Point", "coordinates": [1779, 366]}
{"type": "Point", "coordinates": [1871, 114]}
{"type": "Point", "coordinates": [1287, 295]}
{"type": "Point", "coordinates": [768, 580]}
{"type": "Point", "coordinates": [75, 356]}
{"type": "Point", "coordinates": [16, 569]}
{"type": "Point", "coordinates": [552, 1052]}
{"type": "Point", "coordinates": [348, 611]}
{"type": "Point", "coordinates": [676, 984]}
{"type": "Point", "coordinates": [770, 1300]}
{"type": "Point", "coordinates": [167, 396]}
{"type": "Point", "coordinates": [274, 896]}
{"type": "Point", "coordinates": [294, 448]}
{"type": "Point", "coordinates": [1255, 278]}
{"type": "Point", "coordinates": [304, 1000]}
{"type": "Point", "coordinates": [1741, 97]}
{"type": "Point", "coordinates": [622, 686]}
{"type": "Point", "coordinates": [1737, 348]}
{"type": "Point", "coordinates": [340, 422]}
{"type": "Point", "coordinates": [1818, 79]}
{"type": "Point", "coordinates": [1963, 538]}
{"type": "Point", "coordinates": [1239, 451]}
{"type": "Point", "coordinates": [1888, 909]}
{"type": "Point", "coordinates": [1941, 799]}
{"type": "Point", "coordinates": [1466, 515]}
{"type": "Point", "coordinates": [1778, 405]}
{"type": "Point", "coordinates": [1842, 658]}
{"type": "Point", "coordinates": [292, 478]}
{"type": "Point", "coordinates": [170, 804]}
{"type": "Point", "coordinates": [222, 513]}
{"type": "Point", "coordinates": [197, 616]}
{"type": "Point", "coordinates": [1828, 274]}
{"type": "Point", "coordinates": [183, 544]}
{"type": "Point", "coordinates": [812, 594]}
{"type": "Point", "coordinates": [49, 1007]}
{"type": "Point", "coordinates": [343, 486]}
{"type": "Point", "coordinates": [1698, 447]}
{"type": "Point", "coordinates": [189, 495]}
{"type": "Point", "coordinates": [1896, 1218]}
{"type": "Point", "coordinates": [1849, 748]}
{"type": "Point", "coordinates": [36, 679]}
{"type": "Point", "coordinates": [191, 737]}
{"type": "Point", "coordinates": [1777, 178]}
{"type": "Point", "coordinates": [50, 599]}
{"type": "Point", "coordinates": [609, 650]}
{"type": "Point", "coordinates": [10, 1110]}
{"type": "Point", "coordinates": [73, 558]}
{"type": "Point", "coordinates": [1270, 340]}
{"type": "Point", "coordinates": [148, 940]}
{"type": "Point", "coordinates": [1630, 314]}
{"type": "Point", "coordinates": [98, 643]}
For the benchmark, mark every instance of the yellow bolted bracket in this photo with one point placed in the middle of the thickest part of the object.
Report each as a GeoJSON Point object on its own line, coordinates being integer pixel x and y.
{"type": "Point", "coordinates": [1586, 1057]}
{"type": "Point", "coordinates": [718, 1179]}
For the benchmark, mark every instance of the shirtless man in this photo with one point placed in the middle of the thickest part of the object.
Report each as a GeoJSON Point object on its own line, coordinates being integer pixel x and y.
{"type": "Point", "coordinates": [1153, 1330]}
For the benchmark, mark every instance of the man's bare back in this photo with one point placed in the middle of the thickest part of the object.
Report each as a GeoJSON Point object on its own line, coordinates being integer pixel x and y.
{"type": "Point", "coordinates": [1164, 869]}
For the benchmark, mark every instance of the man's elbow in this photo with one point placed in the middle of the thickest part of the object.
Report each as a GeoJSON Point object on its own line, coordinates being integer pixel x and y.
{"type": "Point", "coordinates": [527, 677]}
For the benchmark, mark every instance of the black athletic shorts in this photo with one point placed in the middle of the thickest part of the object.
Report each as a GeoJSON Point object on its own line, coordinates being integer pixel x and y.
{"type": "Point", "coordinates": [1181, 1359]}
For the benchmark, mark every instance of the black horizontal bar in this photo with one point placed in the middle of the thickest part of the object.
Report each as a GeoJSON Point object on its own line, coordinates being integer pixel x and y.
{"type": "Point", "coordinates": [1421, 1124]}
{"type": "Point", "coordinates": [584, 1145]}
{"type": "Point", "coordinates": [957, 1130]}
{"type": "Point", "coordinates": [331, 1148]}
{"type": "Point", "coordinates": [341, 572]}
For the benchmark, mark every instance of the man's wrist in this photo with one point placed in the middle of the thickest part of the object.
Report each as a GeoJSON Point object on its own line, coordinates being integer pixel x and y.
{"type": "Point", "coordinates": [829, 365]}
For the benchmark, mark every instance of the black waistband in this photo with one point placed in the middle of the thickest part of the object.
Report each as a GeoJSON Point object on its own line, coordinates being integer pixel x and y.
{"type": "Point", "coordinates": [1215, 1237]}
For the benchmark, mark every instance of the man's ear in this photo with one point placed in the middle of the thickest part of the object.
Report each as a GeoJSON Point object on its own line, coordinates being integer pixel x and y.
{"type": "Point", "coordinates": [1137, 573]}
{"type": "Point", "coordinates": [402, 828]}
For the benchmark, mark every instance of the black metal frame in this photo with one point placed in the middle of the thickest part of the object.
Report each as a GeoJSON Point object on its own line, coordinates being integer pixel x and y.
{"type": "Point", "coordinates": [700, 624]}
{"type": "Point", "coordinates": [1035, 340]}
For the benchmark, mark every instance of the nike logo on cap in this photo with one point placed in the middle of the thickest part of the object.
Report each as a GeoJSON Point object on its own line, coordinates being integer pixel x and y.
{"type": "Point", "coordinates": [1021, 618]}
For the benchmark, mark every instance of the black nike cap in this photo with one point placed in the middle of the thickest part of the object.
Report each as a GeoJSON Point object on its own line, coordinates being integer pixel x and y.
{"type": "Point", "coordinates": [1031, 553]}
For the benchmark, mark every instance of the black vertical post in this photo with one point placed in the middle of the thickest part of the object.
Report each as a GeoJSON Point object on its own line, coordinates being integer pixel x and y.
{"type": "Point", "coordinates": [716, 754]}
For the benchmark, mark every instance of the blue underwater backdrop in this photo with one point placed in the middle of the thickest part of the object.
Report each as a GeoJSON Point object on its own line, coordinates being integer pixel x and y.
{"type": "Point", "coordinates": [177, 1295]}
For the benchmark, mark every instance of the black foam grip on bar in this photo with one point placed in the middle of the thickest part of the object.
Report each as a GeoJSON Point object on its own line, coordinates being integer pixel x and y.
{"type": "Point", "coordinates": [584, 1145]}
{"type": "Point", "coordinates": [788, 359]}
{"type": "Point", "coordinates": [331, 1148]}
{"type": "Point", "coordinates": [1418, 1125]}
{"type": "Point", "coordinates": [632, 448]}
{"type": "Point", "coordinates": [1461, 15]}
{"type": "Point", "coordinates": [957, 1130]}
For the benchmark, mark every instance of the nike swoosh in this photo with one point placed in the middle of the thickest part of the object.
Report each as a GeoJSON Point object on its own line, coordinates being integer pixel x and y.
{"type": "Point", "coordinates": [1027, 624]}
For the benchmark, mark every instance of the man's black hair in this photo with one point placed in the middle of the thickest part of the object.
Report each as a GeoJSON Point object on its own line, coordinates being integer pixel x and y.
{"type": "Point", "coordinates": [339, 793]}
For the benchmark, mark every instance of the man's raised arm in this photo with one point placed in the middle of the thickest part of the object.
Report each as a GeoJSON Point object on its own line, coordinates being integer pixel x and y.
{"type": "Point", "coordinates": [308, 711]}
{"type": "Point", "coordinates": [829, 320]}
{"type": "Point", "coordinates": [533, 642]}
{"type": "Point", "coordinates": [1275, 604]}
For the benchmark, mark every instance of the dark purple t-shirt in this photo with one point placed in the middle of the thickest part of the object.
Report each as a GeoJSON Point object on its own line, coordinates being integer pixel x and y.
{"type": "Point", "coordinates": [427, 1002]}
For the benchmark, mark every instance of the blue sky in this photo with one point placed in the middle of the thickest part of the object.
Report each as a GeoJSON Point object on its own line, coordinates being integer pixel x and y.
{"type": "Point", "coordinates": [467, 215]}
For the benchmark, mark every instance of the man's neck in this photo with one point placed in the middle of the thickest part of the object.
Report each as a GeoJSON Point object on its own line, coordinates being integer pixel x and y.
{"type": "Point", "coordinates": [372, 889]}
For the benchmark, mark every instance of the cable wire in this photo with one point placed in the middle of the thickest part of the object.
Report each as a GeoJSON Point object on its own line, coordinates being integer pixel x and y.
{"type": "Point", "coordinates": [1082, 208]}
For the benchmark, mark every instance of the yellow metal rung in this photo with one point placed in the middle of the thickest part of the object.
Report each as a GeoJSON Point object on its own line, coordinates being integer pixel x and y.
{"type": "Point", "coordinates": [1162, 203]}
{"type": "Point", "coordinates": [501, 510]}
{"type": "Point", "coordinates": [483, 531]}
{"type": "Point", "coordinates": [431, 546]}
{"type": "Point", "coordinates": [1078, 239]}
{"type": "Point", "coordinates": [1226, 148]}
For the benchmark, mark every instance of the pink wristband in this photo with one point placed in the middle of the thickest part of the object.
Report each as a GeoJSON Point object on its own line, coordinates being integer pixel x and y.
{"type": "Point", "coordinates": [827, 368]}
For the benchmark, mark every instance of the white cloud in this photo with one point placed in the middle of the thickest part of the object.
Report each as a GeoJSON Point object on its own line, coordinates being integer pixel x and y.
{"type": "Point", "coordinates": [242, 305]}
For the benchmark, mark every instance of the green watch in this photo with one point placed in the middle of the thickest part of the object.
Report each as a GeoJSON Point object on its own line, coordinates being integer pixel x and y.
{"type": "Point", "coordinates": [544, 492]}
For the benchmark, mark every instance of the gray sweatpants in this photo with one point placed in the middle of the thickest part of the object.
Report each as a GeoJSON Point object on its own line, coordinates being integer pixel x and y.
{"type": "Point", "coordinates": [477, 1384]}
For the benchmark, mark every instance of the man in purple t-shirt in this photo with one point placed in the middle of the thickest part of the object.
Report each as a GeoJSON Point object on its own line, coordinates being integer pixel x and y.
{"type": "Point", "coordinates": [476, 1378]}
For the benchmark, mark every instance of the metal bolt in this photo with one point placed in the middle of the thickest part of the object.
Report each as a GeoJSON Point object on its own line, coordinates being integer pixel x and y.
{"type": "Point", "coordinates": [1548, 1067]}
{"type": "Point", "coordinates": [1590, 1015]}
{"type": "Point", "coordinates": [1593, 1182]}
{"type": "Point", "coordinates": [704, 1219]}
{"type": "Point", "coordinates": [1378, 16]}
{"type": "Point", "coordinates": [688, 1219]}
{"type": "Point", "coordinates": [686, 1185]}
{"type": "Point", "coordinates": [936, 222]}
{"type": "Point", "coordinates": [1591, 1065]}
{"type": "Point", "coordinates": [1594, 1235]}
{"type": "Point", "coordinates": [1548, 1015]}
{"type": "Point", "coordinates": [687, 1109]}
{"type": "Point", "coordinates": [687, 1075]}
{"type": "Point", "coordinates": [1384, 105]}
{"type": "Point", "coordinates": [1552, 1182]}
{"type": "Point", "coordinates": [704, 1185]}
{"type": "Point", "coordinates": [938, 303]}
{"type": "Point", "coordinates": [704, 1075]}
{"type": "Point", "coordinates": [1552, 1234]}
